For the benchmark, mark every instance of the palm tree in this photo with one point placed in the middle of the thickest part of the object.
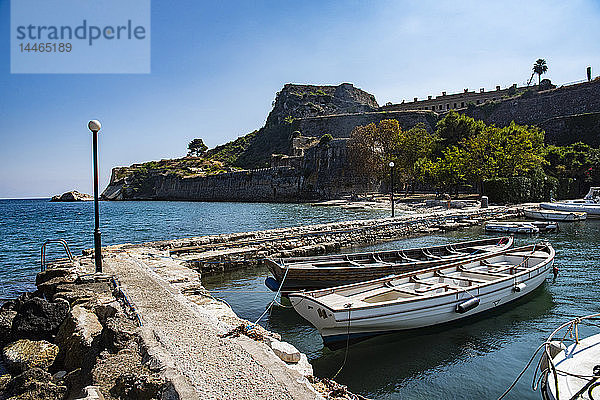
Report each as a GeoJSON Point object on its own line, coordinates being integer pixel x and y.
{"type": "Point", "coordinates": [539, 68]}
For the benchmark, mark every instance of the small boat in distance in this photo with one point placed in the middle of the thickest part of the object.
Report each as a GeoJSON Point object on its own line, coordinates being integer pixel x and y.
{"type": "Point", "coordinates": [511, 227]}
{"type": "Point", "coordinates": [590, 204]}
{"type": "Point", "coordinates": [424, 298]}
{"type": "Point", "coordinates": [554, 215]}
{"type": "Point", "coordinates": [302, 273]}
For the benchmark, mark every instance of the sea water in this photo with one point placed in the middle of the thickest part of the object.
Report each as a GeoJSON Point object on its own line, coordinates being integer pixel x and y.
{"type": "Point", "coordinates": [477, 359]}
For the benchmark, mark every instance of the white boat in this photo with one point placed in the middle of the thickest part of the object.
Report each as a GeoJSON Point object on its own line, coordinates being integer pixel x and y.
{"type": "Point", "coordinates": [511, 227]}
{"type": "Point", "coordinates": [590, 204]}
{"type": "Point", "coordinates": [571, 370]}
{"type": "Point", "coordinates": [424, 298]}
{"type": "Point", "coordinates": [554, 215]}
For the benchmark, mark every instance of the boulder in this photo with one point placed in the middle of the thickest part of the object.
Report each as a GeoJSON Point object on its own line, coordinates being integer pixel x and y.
{"type": "Point", "coordinates": [118, 333]}
{"type": "Point", "coordinates": [52, 273]}
{"type": "Point", "coordinates": [39, 319]}
{"type": "Point", "coordinates": [285, 351]}
{"type": "Point", "coordinates": [6, 320]}
{"type": "Point", "coordinates": [35, 384]}
{"type": "Point", "coordinates": [79, 339]}
{"type": "Point", "coordinates": [141, 387]}
{"type": "Point", "coordinates": [15, 304]}
{"type": "Point", "coordinates": [91, 393]}
{"type": "Point", "coordinates": [25, 354]}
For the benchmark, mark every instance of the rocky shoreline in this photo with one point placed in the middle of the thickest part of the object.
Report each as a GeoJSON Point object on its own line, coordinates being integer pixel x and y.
{"type": "Point", "coordinates": [74, 338]}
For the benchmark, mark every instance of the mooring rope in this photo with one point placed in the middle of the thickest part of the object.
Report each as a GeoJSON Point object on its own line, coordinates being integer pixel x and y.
{"type": "Point", "coordinates": [287, 268]}
{"type": "Point", "coordinates": [349, 306]}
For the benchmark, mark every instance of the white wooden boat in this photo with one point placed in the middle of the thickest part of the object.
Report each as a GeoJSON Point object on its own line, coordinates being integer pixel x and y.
{"type": "Point", "coordinates": [554, 215]}
{"type": "Point", "coordinates": [590, 204]}
{"type": "Point", "coordinates": [317, 272]}
{"type": "Point", "coordinates": [570, 365]}
{"type": "Point", "coordinates": [511, 227]}
{"type": "Point", "coordinates": [424, 298]}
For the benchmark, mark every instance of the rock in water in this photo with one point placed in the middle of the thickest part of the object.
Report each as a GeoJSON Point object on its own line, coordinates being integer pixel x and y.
{"type": "Point", "coordinates": [73, 195]}
{"type": "Point", "coordinates": [38, 319]}
{"type": "Point", "coordinates": [79, 339]}
{"type": "Point", "coordinates": [25, 354]}
{"type": "Point", "coordinates": [36, 384]}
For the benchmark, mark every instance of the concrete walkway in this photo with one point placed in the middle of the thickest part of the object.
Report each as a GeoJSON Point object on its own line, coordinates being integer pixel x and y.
{"type": "Point", "coordinates": [187, 344]}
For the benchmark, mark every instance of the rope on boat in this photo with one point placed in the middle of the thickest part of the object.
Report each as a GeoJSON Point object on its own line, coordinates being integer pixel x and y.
{"type": "Point", "coordinates": [287, 268]}
{"type": "Point", "coordinates": [349, 307]}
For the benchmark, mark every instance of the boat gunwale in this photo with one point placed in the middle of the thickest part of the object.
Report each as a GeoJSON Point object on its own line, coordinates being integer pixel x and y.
{"type": "Point", "coordinates": [272, 262]}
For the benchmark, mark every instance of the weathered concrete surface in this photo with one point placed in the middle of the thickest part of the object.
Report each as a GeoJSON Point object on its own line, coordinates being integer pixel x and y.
{"type": "Point", "coordinates": [184, 335]}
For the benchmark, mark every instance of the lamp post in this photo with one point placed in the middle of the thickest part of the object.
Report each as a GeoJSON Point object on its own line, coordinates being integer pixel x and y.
{"type": "Point", "coordinates": [95, 126]}
{"type": "Point", "coordinates": [391, 164]}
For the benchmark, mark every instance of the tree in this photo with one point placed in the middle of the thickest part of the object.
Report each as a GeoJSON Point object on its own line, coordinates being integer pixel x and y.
{"type": "Point", "coordinates": [455, 127]}
{"type": "Point", "coordinates": [412, 151]}
{"type": "Point", "coordinates": [197, 148]}
{"type": "Point", "coordinates": [539, 68]}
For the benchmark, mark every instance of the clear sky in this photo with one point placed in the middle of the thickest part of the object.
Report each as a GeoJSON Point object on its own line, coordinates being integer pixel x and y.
{"type": "Point", "coordinates": [217, 65]}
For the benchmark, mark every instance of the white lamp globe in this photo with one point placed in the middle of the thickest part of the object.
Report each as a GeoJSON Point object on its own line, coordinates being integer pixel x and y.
{"type": "Point", "coordinates": [94, 125]}
{"type": "Point", "coordinates": [391, 164]}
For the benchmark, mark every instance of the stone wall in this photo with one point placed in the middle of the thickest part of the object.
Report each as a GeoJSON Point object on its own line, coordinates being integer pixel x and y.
{"type": "Point", "coordinates": [340, 126]}
{"type": "Point", "coordinates": [541, 107]}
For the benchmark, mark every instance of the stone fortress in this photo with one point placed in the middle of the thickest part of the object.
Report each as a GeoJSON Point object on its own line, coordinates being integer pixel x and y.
{"type": "Point", "coordinates": [301, 169]}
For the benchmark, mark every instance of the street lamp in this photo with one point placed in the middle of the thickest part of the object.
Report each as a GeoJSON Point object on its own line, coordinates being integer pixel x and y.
{"type": "Point", "coordinates": [391, 164]}
{"type": "Point", "coordinates": [95, 126]}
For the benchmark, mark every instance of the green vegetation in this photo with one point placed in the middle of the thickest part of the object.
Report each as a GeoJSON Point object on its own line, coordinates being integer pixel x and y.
{"type": "Point", "coordinates": [509, 164]}
{"type": "Point", "coordinates": [229, 153]}
{"type": "Point", "coordinates": [197, 148]}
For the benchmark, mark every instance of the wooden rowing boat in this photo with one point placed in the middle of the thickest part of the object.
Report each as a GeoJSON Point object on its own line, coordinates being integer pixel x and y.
{"type": "Point", "coordinates": [425, 298]}
{"type": "Point", "coordinates": [511, 227]}
{"type": "Point", "coordinates": [334, 270]}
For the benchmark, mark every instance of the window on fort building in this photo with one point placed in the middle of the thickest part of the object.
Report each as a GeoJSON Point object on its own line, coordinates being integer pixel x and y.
{"type": "Point", "coordinates": [462, 104]}
{"type": "Point", "coordinates": [478, 101]}
{"type": "Point", "coordinates": [440, 106]}
{"type": "Point", "coordinates": [432, 108]}
{"type": "Point", "coordinates": [454, 105]}
{"type": "Point", "coordinates": [448, 106]}
{"type": "Point", "coordinates": [494, 99]}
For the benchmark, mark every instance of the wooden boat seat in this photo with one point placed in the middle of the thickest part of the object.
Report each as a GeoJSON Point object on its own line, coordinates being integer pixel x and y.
{"type": "Point", "coordinates": [428, 254]}
{"type": "Point", "coordinates": [484, 273]}
{"type": "Point", "coordinates": [405, 257]}
{"type": "Point", "coordinates": [430, 288]}
{"type": "Point", "coordinates": [461, 278]}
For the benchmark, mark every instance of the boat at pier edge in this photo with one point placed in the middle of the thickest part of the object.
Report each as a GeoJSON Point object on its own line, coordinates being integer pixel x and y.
{"type": "Point", "coordinates": [334, 270]}
{"type": "Point", "coordinates": [554, 215]}
{"type": "Point", "coordinates": [424, 298]}
{"type": "Point", "coordinates": [570, 365]}
{"type": "Point", "coordinates": [590, 204]}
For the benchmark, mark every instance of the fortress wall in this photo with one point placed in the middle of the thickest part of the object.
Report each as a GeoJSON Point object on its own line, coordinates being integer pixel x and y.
{"type": "Point", "coordinates": [539, 108]}
{"type": "Point", "coordinates": [340, 126]}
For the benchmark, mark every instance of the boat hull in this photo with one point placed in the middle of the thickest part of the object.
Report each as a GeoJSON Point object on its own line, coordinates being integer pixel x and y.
{"type": "Point", "coordinates": [295, 279]}
{"type": "Point", "coordinates": [339, 325]}
{"type": "Point", "coordinates": [592, 210]}
{"type": "Point", "coordinates": [555, 215]}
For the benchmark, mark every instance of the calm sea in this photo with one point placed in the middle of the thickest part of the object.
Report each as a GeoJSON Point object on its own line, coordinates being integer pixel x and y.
{"type": "Point", "coordinates": [474, 360]}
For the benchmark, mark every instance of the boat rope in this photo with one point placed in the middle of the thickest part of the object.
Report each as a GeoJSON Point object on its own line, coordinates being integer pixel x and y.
{"type": "Point", "coordinates": [268, 308]}
{"type": "Point", "coordinates": [349, 307]}
{"type": "Point", "coordinates": [523, 371]}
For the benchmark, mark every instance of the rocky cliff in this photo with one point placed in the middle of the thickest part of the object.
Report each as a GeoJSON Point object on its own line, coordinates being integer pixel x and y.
{"type": "Point", "coordinates": [303, 169]}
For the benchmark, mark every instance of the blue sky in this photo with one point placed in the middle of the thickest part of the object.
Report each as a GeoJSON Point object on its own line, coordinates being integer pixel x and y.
{"type": "Point", "coordinates": [217, 65]}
